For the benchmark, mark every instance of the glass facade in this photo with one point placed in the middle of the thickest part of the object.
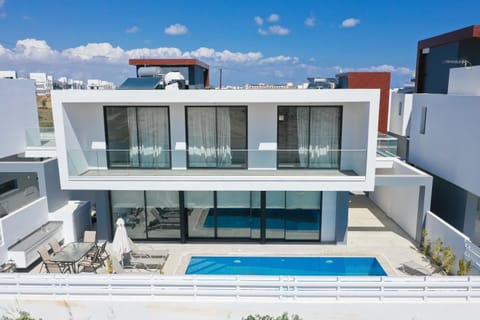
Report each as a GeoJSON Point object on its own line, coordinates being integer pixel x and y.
{"type": "Point", "coordinates": [309, 137]}
{"type": "Point", "coordinates": [217, 137]}
{"type": "Point", "coordinates": [233, 215]}
{"type": "Point", "coordinates": [137, 137]}
{"type": "Point", "coordinates": [147, 214]}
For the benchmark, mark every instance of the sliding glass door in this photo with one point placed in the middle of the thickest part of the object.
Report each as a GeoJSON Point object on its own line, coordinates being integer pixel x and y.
{"type": "Point", "coordinates": [217, 137]}
{"type": "Point", "coordinates": [137, 137]}
{"type": "Point", "coordinates": [309, 137]}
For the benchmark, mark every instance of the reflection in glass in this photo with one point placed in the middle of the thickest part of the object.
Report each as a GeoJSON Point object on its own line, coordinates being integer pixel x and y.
{"type": "Point", "coordinates": [217, 137]}
{"type": "Point", "coordinates": [163, 214]}
{"type": "Point", "coordinates": [199, 206]}
{"type": "Point", "coordinates": [233, 214]}
{"type": "Point", "coordinates": [129, 205]}
{"type": "Point", "coordinates": [309, 137]}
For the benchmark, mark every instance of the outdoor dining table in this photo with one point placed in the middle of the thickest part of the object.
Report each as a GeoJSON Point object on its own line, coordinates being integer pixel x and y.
{"type": "Point", "coordinates": [72, 253]}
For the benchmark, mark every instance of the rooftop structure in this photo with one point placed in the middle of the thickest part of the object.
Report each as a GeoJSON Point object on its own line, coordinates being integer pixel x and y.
{"type": "Point", "coordinates": [437, 55]}
{"type": "Point", "coordinates": [195, 72]}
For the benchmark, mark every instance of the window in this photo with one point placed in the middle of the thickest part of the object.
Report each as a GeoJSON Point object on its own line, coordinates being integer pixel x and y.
{"type": "Point", "coordinates": [217, 137]}
{"type": "Point", "coordinates": [423, 120]}
{"type": "Point", "coordinates": [8, 186]}
{"type": "Point", "coordinates": [138, 137]}
{"type": "Point", "coordinates": [400, 107]}
{"type": "Point", "coordinates": [309, 137]}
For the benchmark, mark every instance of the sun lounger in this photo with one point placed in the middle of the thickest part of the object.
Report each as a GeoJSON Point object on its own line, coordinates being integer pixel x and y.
{"type": "Point", "coordinates": [415, 269]}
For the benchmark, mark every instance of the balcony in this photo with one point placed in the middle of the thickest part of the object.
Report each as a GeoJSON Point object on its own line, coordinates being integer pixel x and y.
{"type": "Point", "coordinates": [217, 164]}
{"type": "Point", "coordinates": [387, 146]}
{"type": "Point", "coordinates": [40, 142]}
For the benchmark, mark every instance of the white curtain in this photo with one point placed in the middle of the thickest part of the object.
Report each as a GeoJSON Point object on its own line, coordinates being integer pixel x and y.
{"type": "Point", "coordinates": [202, 137]}
{"type": "Point", "coordinates": [224, 137]}
{"type": "Point", "coordinates": [324, 137]}
{"type": "Point", "coordinates": [153, 137]}
{"type": "Point", "coordinates": [132, 130]}
{"type": "Point", "coordinates": [302, 134]}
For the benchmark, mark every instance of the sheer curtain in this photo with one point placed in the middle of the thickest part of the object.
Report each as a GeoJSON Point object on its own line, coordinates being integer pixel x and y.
{"type": "Point", "coordinates": [153, 137]}
{"type": "Point", "coordinates": [201, 137]}
{"type": "Point", "coordinates": [324, 137]}
{"type": "Point", "coordinates": [302, 134]}
{"type": "Point", "coordinates": [132, 130]}
{"type": "Point", "coordinates": [224, 137]}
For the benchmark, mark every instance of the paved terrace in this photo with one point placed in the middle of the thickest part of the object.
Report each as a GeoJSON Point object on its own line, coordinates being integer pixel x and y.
{"type": "Point", "coordinates": [370, 233]}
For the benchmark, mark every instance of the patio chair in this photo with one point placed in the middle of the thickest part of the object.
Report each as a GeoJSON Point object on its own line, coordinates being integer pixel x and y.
{"type": "Point", "coordinates": [51, 266]}
{"type": "Point", "coordinates": [90, 236]}
{"type": "Point", "coordinates": [90, 262]}
{"type": "Point", "coordinates": [100, 253]}
{"type": "Point", "coordinates": [55, 246]}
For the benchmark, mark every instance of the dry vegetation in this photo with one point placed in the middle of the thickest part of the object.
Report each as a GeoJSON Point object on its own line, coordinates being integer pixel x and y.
{"type": "Point", "coordinates": [45, 117]}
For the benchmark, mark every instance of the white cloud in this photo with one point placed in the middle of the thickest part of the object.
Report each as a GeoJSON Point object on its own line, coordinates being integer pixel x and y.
{"type": "Point", "coordinates": [273, 17]}
{"type": "Point", "coordinates": [279, 59]}
{"type": "Point", "coordinates": [2, 2]}
{"type": "Point", "coordinates": [278, 30]}
{"type": "Point", "coordinates": [34, 49]}
{"type": "Point", "coordinates": [310, 22]}
{"type": "Point", "coordinates": [165, 52]}
{"type": "Point", "coordinates": [262, 31]}
{"type": "Point", "coordinates": [132, 29]}
{"type": "Point", "coordinates": [350, 23]}
{"type": "Point", "coordinates": [92, 51]}
{"type": "Point", "coordinates": [258, 20]}
{"type": "Point", "coordinates": [176, 29]}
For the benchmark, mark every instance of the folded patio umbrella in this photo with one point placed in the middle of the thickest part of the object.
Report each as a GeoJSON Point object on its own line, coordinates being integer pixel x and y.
{"type": "Point", "coordinates": [121, 241]}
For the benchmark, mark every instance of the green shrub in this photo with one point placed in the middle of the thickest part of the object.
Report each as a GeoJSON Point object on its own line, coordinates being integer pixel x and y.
{"type": "Point", "coordinates": [22, 315]}
{"type": "Point", "coordinates": [464, 267]}
{"type": "Point", "coordinates": [448, 259]}
{"type": "Point", "coordinates": [435, 252]}
{"type": "Point", "coordinates": [425, 243]}
{"type": "Point", "coordinates": [284, 316]}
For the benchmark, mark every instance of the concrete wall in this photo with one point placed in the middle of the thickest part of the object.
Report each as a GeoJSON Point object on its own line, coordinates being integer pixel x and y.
{"type": "Point", "coordinates": [457, 241]}
{"type": "Point", "coordinates": [448, 147]}
{"type": "Point", "coordinates": [76, 219]}
{"type": "Point", "coordinates": [18, 111]}
{"type": "Point", "coordinates": [329, 213]}
{"type": "Point", "coordinates": [464, 81]}
{"type": "Point", "coordinates": [78, 118]}
{"type": "Point", "coordinates": [400, 110]}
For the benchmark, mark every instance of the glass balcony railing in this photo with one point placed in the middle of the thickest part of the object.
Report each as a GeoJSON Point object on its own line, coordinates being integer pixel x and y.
{"type": "Point", "coordinates": [387, 145]}
{"type": "Point", "coordinates": [40, 137]}
{"type": "Point", "coordinates": [119, 162]}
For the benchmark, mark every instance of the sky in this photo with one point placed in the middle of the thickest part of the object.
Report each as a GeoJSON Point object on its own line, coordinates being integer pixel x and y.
{"type": "Point", "coordinates": [252, 41]}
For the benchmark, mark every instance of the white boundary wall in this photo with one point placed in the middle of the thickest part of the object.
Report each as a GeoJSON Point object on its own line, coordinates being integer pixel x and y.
{"type": "Point", "coordinates": [460, 244]}
{"type": "Point", "coordinates": [232, 297]}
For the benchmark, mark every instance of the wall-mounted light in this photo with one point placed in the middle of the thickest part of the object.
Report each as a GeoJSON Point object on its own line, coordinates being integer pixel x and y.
{"type": "Point", "coordinates": [281, 117]}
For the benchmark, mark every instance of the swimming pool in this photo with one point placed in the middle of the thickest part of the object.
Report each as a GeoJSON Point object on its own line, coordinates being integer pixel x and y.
{"type": "Point", "coordinates": [286, 266]}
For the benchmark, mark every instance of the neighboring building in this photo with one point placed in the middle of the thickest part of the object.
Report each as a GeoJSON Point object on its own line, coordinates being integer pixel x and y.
{"type": "Point", "coordinates": [95, 84]}
{"type": "Point", "coordinates": [370, 80]}
{"type": "Point", "coordinates": [263, 86]}
{"type": "Point", "coordinates": [33, 208]}
{"type": "Point", "coordinates": [321, 83]}
{"type": "Point", "coordinates": [269, 165]}
{"type": "Point", "coordinates": [437, 55]}
{"type": "Point", "coordinates": [444, 131]}
{"type": "Point", "coordinates": [43, 82]}
{"type": "Point", "coordinates": [8, 74]}
{"type": "Point", "coordinates": [63, 83]}
{"type": "Point", "coordinates": [195, 72]}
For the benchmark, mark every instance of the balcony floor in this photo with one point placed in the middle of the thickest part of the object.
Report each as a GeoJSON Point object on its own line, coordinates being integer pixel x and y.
{"type": "Point", "coordinates": [219, 172]}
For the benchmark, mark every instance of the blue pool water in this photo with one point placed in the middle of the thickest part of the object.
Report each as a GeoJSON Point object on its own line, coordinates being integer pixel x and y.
{"type": "Point", "coordinates": [275, 219]}
{"type": "Point", "coordinates": [286, 266]}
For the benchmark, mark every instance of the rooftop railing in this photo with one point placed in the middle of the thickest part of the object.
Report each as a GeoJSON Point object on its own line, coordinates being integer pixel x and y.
{"type": "Point", "coordinates": [387, 145]}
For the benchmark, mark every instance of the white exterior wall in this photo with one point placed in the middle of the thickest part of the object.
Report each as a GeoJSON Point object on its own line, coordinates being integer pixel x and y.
{"type": "Point", "coordinates": [449, 147]}
{"type": "Point", "coordinates": [398, 193]}
{"type": "Point", "coordinates": [329, 214]}
{"type": "Point", "coordinates": [76, 219]}
{"type": "Point", "coordinates": [18, 111]}
{"type": "Point", "coordinates": [399, 122]}
{"type": "Point", "coordinates": [79, 123]}
{"type": "Point", "coordinates": [464, 81]}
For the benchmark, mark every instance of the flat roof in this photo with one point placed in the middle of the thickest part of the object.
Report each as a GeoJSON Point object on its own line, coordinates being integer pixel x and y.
{"type": "Point", "coordinates": [449, 37]}
{"type": "Point", "coordinates": [167, 62]}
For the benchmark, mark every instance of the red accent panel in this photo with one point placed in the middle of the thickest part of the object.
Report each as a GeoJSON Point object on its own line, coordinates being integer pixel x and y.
{"type": "Point", "coordinates": [374, 80]}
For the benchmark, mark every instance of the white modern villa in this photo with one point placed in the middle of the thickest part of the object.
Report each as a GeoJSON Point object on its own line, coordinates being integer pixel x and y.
{"type": "Point", "coordinates": [260, 165]}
